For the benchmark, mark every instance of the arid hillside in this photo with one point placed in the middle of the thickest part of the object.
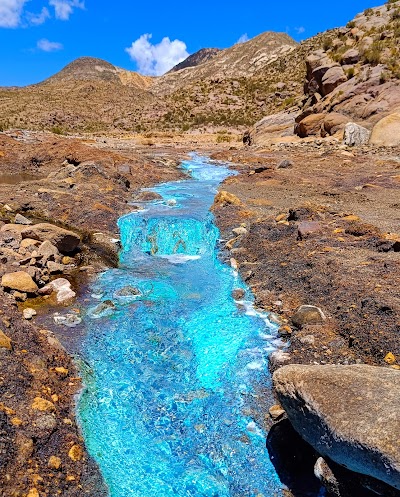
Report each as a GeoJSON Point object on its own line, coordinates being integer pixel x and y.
{"type": "Point", "coordinates": [222, 89]}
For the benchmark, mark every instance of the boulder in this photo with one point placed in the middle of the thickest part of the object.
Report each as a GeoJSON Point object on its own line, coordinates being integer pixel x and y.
{"type": "Point", "coordinates": [352, 56]}
{"type": "Point", "coordinates": [355, 135]}
{"type": "Point", "coordinates": [386, 132]}
{"type": "Point", "coordinates": [20, 281]}
{"type": "Point", "coordinates": [349, 414]}
{"type": "Point", "coordinates": [308, 314]}
{"type": "Point", "coordinates": [48, 252]}
{"type": "Point", "coordinates": [333, 123]}
{"type": "Point", "coordinates": [333, 77]}
{"type": "Point", "coordinates": [62, 288]}
{"type": "Point", "coordinates": [19, 219]}
{"type": "Point", "coordinates": [308, 228]}
{"type": "Point", "coordinates": [65, 241]}
{"type": "Point", "coordinates": [310, 125]}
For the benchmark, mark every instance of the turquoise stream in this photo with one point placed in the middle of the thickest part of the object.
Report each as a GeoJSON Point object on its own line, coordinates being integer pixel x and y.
{"type": "Point", "coordinates": [172, 373]}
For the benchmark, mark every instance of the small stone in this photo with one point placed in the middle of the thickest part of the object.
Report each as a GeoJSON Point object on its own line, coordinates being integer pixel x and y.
{"type": "Point", "coordinates": [351, 218]}
{"type": "Point", "coordinates": [16, 422]}
{"type": "Point", "coordinates": [19, 219]}
{"type": "Point", "coordinates": [61, 371]}
{"type": "Point", "coordinates": [276, 412]}
{"type": "Point", "coordinates": [285, 164]}
{"type": "Point", "coordinates": [33, 492]}
{"type": "Point", "coordinates": [390, 358]}
{"type": "Point", "coordinates": [281, 217]}
{"type": "Point", "coordinates": [240, 231]}
{"type": "Point", "coordinates": [54, 267]}
{"type": "Point", "coordinates": [76, 453]}
{"type": "Point", "coordinates": [54, 463]}
{"type": "Point", "coordinates": [20, 281]}
{"type": "Point", "coordinates": [238, 293]}
{"type": "Point", "coordinates": [308, 314]}
{"type": "Point", "coordinates": [67, 260]}
{"type": "Point", "coordinates": [20, 296]}
{"type": "Point", "coordinates": [28, 313]}
{"type": "Point", "coordinates": [43, 405]}
{"type": "Point", "coordinates": [307, 228]}
{"type": "Point", "coordinates": [284, 331]}
{"type": "Point", "coordinates": [5, 342]}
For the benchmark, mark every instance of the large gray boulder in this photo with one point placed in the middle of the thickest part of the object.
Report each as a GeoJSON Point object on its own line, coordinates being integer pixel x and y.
{"type": "Point", "coordinates": [350, 414]}
{"type": "Point", "coordinates": [355, 135]}
{"type": "Point", "coordinates": [65, 241]}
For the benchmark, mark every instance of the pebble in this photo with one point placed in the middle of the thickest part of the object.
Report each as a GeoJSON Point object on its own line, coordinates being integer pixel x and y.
{"type": "Point", "coordinates": [28, 313]}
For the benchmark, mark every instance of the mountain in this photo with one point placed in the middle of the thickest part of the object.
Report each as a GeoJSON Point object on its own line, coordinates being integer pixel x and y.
{"type": "Point", "coordinates": [241, 60]}
{"type": "Point", "coordinates": [203, 55]}
{"type": "Point", "coordinates": [93, 69]}
{"type": "Point", "coordinates": [352, 70]}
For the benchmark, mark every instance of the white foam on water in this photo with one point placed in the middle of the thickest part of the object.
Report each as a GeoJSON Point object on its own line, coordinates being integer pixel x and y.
{"type": "Point", "coordinates": [179, 258]}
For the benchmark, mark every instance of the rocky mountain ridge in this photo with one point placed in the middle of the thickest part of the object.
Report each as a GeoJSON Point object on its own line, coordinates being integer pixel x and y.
{"type": "Point", "coordinates": [357, 74]}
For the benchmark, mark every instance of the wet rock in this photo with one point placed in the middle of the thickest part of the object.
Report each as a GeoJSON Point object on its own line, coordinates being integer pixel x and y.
{"type": "Point", "coordinates": [355, 135]}
{"type": "Point", "coordinates": [307, 228]}
{"type": "Point", "coordinates": [347, 413]}
{"type": "Point", "coordinates": [62, 287]}
{"type": "Point", "coordinates": [238, 293]}
{"type": "Point", "coordinates": [128, 292]}
{"type": "Point", "coordinates": [28, 313]}
{"type": "Point", "coordinates": [20, 281]}
{"type": "Point", "coordinates": [70, 320]}
{"type": "Point", "coordinates": [277, 359]}
{"type": "Point", "coordinates": [308, 314]}
{"type": "Point", "coordinates": [65, 241]}
{"type": "Point", "coordinates": [103, 309]}
{"type": "Point", "coordinates": [19, 219]}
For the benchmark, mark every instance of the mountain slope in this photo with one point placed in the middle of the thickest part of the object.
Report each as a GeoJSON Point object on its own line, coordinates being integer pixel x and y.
{"type": "Point", "coordinates": [200, 57]}
{"type": "Point", "coordinates": [241, 60]}
{"type": "Point", "coordinates": [93, 69]}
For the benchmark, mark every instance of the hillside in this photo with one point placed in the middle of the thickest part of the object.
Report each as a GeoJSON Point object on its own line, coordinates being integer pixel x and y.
{"type": "Point", "coordinates": [222, 89]}
{"type": "Point", "coordinates": [93, 69]}
{"type": "Point", "coordinates": [200, 57]}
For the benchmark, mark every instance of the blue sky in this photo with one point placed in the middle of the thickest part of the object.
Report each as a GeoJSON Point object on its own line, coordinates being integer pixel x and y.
{"type": "Point", "coordinates": [39, 37]}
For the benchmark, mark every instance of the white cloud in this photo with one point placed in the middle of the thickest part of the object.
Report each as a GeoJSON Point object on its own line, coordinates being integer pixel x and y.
{"type": "Point", "coordinates": [300, 30]}
{"type": "Point", "coordinates": [157, 59]}
{"type": "Point", "coordinates": [49, 46]}
{"type": "Point", "coordinates": [10, 13]}
{"type": "Point", "coordinates": [64, 8]}
{"type": "Point", "coordinates": [37, 19]}
{"type": "Point", "coordinates": [243, 39]}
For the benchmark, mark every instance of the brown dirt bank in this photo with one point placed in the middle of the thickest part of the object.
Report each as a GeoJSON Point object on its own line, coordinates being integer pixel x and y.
{"type": "Point", "coordinates": [347, 261]}
{"type": "Point", "coordinates": [86, 190]}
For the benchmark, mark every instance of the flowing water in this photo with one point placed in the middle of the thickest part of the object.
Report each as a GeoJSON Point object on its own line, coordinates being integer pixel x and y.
{"type": "Point", "coordinates": [172, 368]}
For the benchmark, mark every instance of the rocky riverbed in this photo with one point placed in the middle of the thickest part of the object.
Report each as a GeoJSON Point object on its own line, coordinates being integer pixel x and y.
{"type": "Point", "coordinates": [48, 184]}
{"type": "Point", "coordinates": [312, 227]}
{"type": "Point", "coordinates": [314, 231]}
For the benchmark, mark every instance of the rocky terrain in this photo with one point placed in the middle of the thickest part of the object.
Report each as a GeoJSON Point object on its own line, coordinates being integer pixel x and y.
{"type": "Point", "coordinates": [47, 184]}
{"type": "Point", "coordinates": [311, 221]}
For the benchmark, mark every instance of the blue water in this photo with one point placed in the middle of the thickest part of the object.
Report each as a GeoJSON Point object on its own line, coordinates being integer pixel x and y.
{"type": "Point", "coordinates": [172, 373]}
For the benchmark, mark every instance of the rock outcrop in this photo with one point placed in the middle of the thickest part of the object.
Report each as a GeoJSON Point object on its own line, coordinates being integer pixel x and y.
{"type": "Point", "coordinates": [349, 414]}
{"type": "Point", "coordinates": [64, 240]}
{"type": "Point", "coordinates": [386, 132]}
